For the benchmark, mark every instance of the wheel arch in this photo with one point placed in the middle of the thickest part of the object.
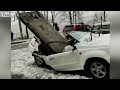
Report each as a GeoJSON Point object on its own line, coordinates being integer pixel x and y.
{"type": "Point", "coordinates": [95, 59]}
{"type": "Point", "coordinates": [100, 54]}
{"type": "Point", "coordinates": [89, 61]}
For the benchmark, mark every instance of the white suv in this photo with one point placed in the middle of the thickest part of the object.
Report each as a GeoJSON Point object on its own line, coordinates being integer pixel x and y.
{"type": "Point", "coordinates": [92, 57]}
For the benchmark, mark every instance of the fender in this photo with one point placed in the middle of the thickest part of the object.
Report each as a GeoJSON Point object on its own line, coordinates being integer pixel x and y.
{"type": "Point", "coordinates": [95, 53]}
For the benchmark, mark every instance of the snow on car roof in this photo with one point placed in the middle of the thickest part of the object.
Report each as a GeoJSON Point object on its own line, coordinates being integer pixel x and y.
{"type": "Point", "coordinates": [104, 39]}
{"type": "Point", "coordinates": [103, 23]}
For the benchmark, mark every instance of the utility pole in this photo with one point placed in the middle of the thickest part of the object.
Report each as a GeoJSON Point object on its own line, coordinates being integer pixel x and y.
{"type": "Point", "coordinates": [100, 27]}
{"type": "Point", "coordinates": [26, 30]}
{"type": "Point", "coordinates": [75, 17]}
{"type": "Point", "coordinates": [53, 22]}
{"type": "Point", "coordinates": [104, 17]}
{"type": "Point", "coordinates": [44, 13]}
{"type": "Point", "coordinates": [20, 27]}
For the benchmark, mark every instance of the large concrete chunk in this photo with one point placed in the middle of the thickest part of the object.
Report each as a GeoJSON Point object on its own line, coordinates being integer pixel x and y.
{"type": "Point", "coordinates": [37, 23]}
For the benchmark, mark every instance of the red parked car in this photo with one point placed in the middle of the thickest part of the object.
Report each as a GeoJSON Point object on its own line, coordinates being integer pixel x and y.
{"type": "Point", "coordinates": [77, 27]}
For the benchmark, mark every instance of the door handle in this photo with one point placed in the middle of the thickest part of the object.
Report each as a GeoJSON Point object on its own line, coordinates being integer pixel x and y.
{"type": "Point", "coordinates": [51, 58]}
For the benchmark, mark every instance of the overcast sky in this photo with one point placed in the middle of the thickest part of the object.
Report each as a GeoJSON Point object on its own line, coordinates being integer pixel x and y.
{"type": "Point", "coordinates": [89, 15]}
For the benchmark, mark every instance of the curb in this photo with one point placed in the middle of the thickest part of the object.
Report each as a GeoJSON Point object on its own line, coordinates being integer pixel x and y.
{"type": "Point", "coordinates": [18, 42]}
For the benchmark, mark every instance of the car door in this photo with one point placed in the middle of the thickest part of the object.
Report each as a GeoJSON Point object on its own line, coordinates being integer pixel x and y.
{"type": "Point", "coordinates": [64, 61]}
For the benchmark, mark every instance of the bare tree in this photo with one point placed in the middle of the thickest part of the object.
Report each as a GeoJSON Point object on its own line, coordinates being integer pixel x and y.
{"type": "Point", "coordinates": [63, 17]}
{"type": "Point", "coordinates": [81, 16]}
{"type": "Point", "coordinates": [53, 21]}
{"type": "Point", "coordinates": [73, 14]}
{"type": "Point", "coordinates": [54, 15]}
{"type": "Point", "coordinates": [96, 17]}
{"type": "Point", "coordinates": [103, 14]}
{"type": "Point", "coordinates": [47, 15]}
{"type": "Point", "coordinates": [27, 34]}
{"type": "Point", "coordinates": [70, 17]}
{"type": "Point", "coordinates": [44, 13]}
{"type": "Point", "coordinates": [75, 17]}
{"type": "Point", "coordinates": [20, 27]}
{"type": "Point", "coordinates": [78, 16]}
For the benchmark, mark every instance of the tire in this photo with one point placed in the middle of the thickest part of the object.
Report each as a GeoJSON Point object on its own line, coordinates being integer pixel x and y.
{"type": "Point", "coordinates": [97, 68]}
{"type": "Point", "coordinates": [39, 61]}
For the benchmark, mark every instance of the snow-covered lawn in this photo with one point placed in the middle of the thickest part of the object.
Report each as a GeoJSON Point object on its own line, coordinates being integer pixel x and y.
{"type": "Point", "coordinates": [22, 63]}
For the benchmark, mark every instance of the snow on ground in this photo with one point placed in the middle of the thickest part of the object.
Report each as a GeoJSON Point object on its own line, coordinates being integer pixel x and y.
{"type": "Point", "coordinates": [15, 29]}
{"type": "Point", "coordinates": [22, 63]}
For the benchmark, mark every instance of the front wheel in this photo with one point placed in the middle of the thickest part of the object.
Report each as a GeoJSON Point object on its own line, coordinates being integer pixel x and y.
{"type": "Point", "coordinates": [97, 69]}
{"type": "Point", "coordinates": [39, 61]}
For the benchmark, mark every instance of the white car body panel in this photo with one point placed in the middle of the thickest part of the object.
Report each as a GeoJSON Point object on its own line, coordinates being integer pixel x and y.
{"type": "Point", "coordinates": [75, 60]}
{"type": "Point", "coordinates": [64, 61]}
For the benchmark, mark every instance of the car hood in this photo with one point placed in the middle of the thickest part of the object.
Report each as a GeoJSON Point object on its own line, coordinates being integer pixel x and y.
{"type": "Point", "coordinates": [42, 29]}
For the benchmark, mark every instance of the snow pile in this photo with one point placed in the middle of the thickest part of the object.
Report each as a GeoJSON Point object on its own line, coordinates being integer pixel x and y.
{"type": "Point", "coordinates": [22, 63]}
{"type": "Point", "coordinates": [104, 39]}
